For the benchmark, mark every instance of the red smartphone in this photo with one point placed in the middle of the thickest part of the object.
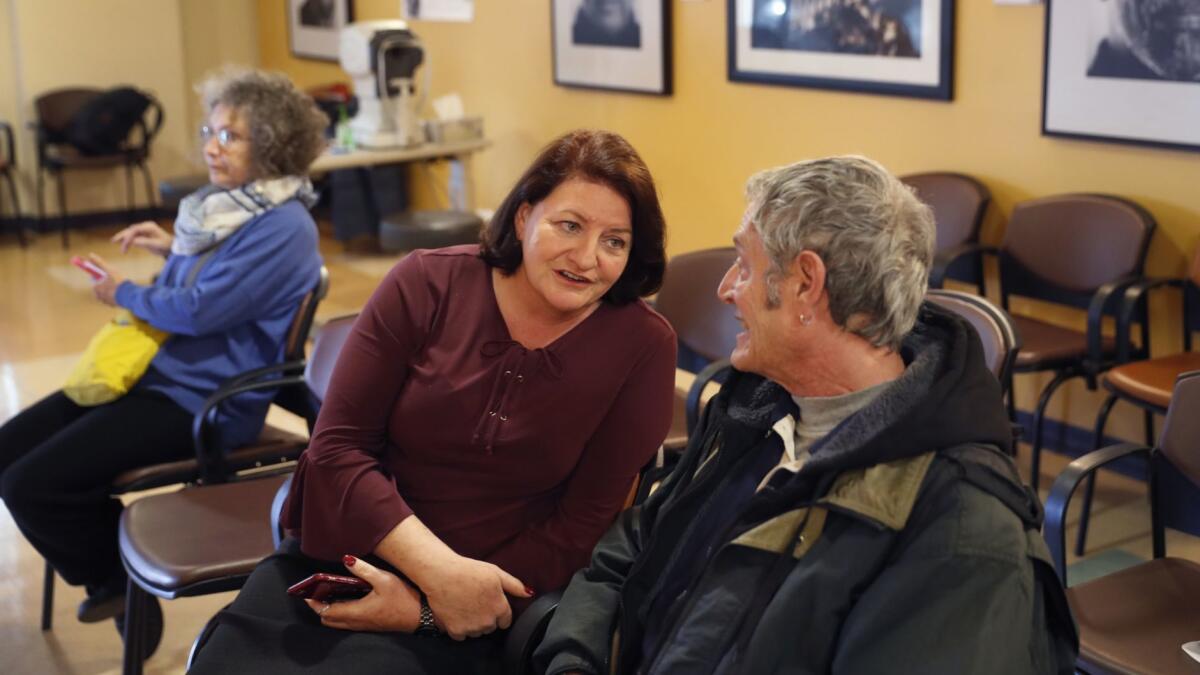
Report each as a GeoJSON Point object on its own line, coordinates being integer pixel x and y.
{"type": "Point", "coordinates": [88, 266]}
{"type": "Point", "coordinates": [324, 587]}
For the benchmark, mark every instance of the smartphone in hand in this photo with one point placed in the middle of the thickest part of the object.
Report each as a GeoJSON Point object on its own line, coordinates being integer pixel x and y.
{"type": "Point", "coordinates": [88, 266]}
{"type": "Point", "coordinates": [324, 587]}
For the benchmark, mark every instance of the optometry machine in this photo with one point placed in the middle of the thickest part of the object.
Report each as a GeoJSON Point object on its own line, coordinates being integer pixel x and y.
{"type": "Point", "coordinates": [382, 58]}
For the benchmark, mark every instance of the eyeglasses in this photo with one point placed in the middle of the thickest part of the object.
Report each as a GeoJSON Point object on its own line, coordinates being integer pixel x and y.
{"type": "Point", "coordinates": [225, 137]}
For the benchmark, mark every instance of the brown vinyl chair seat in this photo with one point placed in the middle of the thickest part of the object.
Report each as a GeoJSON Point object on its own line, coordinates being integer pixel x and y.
{"type": "Point", "coordinates": [1151, 380]}
{"type": "Point", "coordinates": [1045, 344]}
{"type": "Point", "coordinates": [1135, 620]}
{"type": "Point", "coordinates": [191, 541]}
{"type": "Point", "coordinates": [273, 446]}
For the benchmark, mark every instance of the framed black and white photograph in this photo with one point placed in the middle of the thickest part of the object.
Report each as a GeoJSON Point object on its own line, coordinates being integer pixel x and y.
{"type": "Point", "coordinates": [1125, 71]}
{"type": "Point", "coordinates": [622, 45]}
{"type": "Point", "coordinates": [898, 47]}
{"type": "Point", "coordinates": [315, 27]}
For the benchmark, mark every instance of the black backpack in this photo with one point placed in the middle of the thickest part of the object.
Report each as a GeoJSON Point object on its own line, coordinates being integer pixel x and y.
{"type": "Point", "coordinates": [101, 125]}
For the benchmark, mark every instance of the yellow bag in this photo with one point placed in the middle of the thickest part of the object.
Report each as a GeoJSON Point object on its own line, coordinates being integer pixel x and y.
{"type": "Point", "coordinates": [114, 360]}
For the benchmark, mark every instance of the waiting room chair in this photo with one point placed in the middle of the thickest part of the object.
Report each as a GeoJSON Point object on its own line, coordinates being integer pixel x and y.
{"type": "Point", "coordinates": [207, 538]}
{"type": "Point", "coordinates": [1078, 250]}
{"type": "Point", "coordinates": [1001, 343]}
{"type": "Point", "coordinates": [959, 203]}
{"type": "Point", "coordinates": [994, 327]}
{"type": "Point", "coordinates": [273, 446]}
{"type": "Point", "coordinates": [8, 165]}
{"type": "Point", "coordinates": [706, 327]}
{"type": "Point", "coordinates": [1134, 620]}
{"type": "Point", "coordinates": [1146, 382]}
{"type": "Point", "coordinates": [55, 112]}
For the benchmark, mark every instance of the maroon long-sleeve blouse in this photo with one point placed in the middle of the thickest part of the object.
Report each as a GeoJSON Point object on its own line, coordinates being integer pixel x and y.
{"type": "Point", "coordinates": [520, 457]}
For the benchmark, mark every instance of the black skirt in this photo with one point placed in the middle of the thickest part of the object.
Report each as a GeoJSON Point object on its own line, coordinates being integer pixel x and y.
{"type": "Point", "coordinates": [266, 630]}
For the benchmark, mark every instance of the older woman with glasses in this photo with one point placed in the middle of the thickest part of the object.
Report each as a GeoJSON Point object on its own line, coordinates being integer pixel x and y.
{"type": "Point", "coordinates": [243, 255]}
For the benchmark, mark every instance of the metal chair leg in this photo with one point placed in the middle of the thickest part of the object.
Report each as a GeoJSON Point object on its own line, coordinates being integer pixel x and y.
{"type": "Point", "coordinates": [129, 194]}
{"type": "Point", "coordinates": [151, 193]}
{"type": "Point", "coordinates": [41, 200]}
{"type": "Point", "coordinates": [62, 208]}
{"type": "Point", "coordinates": [135, 606]}
{"type": "Point", "coordinates": [1090, 487]}
{"type": "Point", "coordinates": [16, 208]}
{"type": "Point", "coordinates": [1039, 418]}
{"type": "Point", "coordinates": [48, 598]}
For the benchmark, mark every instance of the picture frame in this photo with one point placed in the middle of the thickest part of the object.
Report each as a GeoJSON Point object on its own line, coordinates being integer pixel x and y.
{"type": "Point", "coordinates": [1104, 80]}
{"type": "Point", "coordinates": [315, 27]}
{"type": "Point", "coordinates": [905, 49]}
{"type": "Point", "coordinates": [613, 45]}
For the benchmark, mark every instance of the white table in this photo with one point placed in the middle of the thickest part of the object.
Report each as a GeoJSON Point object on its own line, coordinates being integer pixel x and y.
{"type": "Point", "coordinates": [362, 158]}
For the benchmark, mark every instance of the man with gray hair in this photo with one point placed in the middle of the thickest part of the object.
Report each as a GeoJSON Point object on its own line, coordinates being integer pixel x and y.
{"type": "Point", "coordinates": [847, 504]}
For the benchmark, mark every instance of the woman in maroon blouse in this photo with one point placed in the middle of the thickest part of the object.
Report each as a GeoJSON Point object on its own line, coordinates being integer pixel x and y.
{"type": "Point", "coordinates": [485, 421]}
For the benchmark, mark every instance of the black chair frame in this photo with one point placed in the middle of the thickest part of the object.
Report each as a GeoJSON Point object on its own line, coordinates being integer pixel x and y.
{"type": "Point", "coordinates": [1107, 300]}
{"type": "Point", "coordinates": [211, 463]}
{"type": "Point", "coordinates": [1134, 306]}
{"type": "Point", "coordinates": [6, 171]}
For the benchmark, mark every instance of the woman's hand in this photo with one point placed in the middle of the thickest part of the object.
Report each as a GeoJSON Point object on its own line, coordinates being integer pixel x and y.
{"type": "Point", "coordinates": [391, 606]}
{"type": "Point", "coordinates": [147, 235]}
{"type": "Point", "coordinates": [106, 288]}
{"type": "Point", "coordinates": [467, 597]}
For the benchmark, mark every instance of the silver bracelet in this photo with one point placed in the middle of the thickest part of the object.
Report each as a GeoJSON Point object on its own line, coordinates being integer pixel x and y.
{"type": "Point", "coordinates": [426, 626]}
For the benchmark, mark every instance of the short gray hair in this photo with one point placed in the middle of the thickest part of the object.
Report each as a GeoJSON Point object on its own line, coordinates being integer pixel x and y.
{"type": "Point", "coordinates": [873, 234]}
{"type": "Point", "coordinates": [287, 131]}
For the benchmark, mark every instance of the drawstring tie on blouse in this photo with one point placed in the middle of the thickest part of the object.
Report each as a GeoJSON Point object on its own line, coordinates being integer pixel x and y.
{"type": "Point", "coordinates": [544, 361]}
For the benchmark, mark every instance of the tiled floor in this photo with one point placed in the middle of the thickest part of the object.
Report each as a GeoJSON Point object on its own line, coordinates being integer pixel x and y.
{"type": "Point", "coordinates": [47, 315]}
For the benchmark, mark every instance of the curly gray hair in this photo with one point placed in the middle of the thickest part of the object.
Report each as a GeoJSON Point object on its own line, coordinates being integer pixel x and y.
{"type": "Point", "coordinates": [873, 234]}
{"type": "Point", "coordinates": [287, 131]}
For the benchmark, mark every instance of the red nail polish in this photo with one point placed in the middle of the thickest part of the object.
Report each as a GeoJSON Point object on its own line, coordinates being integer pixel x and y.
{"type": "Point", "coordinates": [529, 591]}
{"type": "Point", "coordinates": [349, 560]}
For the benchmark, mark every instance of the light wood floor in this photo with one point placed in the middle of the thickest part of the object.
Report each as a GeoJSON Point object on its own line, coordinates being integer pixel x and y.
{"type": "Point", "coordinates": [47, 315]}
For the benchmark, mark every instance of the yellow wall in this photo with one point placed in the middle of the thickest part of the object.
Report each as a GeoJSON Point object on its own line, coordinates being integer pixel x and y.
{"type": "Point", "coordinates": [161, 46]}
{"type": "Point", "coordinates": [704, 140]}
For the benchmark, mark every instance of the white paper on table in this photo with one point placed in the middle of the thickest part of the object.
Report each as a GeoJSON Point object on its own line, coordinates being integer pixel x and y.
{"type": "Point", "coordinates": [1192, 649]}
{"type": "Point", "coordinates": [448, 107]}
{"type": "Point", "coordinates": [438, 10]}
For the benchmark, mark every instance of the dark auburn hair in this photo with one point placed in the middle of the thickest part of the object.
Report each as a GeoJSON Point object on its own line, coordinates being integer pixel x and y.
{"type": "Point", "coordinates": [602, 157]}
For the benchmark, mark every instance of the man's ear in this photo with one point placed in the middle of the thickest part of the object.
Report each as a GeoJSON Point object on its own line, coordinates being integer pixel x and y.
{"type": "Point", "coordinates": [808, 269]}
{"type": "Point", "coordinates": [522, 217]}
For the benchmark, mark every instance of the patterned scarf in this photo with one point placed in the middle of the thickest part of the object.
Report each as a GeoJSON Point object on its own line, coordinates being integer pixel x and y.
{"type": "Point", "coordinates": [210, 214]}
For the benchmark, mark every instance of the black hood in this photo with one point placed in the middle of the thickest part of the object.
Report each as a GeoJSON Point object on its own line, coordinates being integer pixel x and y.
{"type": "Point", "coordinates": [945, 397]}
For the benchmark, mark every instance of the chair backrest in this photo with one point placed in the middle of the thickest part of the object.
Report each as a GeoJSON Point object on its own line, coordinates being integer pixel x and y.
{"type": "Point", "coordinates": [56, 111]}
{"type": "Point", "coordinates": [1181, 430]}
{"type": "Point", "coordinates": [688, 300]}
{"type": "Point", "coordinates": [327, 344]}
{"type": "Point", "coordinates": [297, 335]}
{"type": "Point", "coordinates": [959, 203]}
{"type": "Point", "coordinates": [56, 108]}
{"type": "Point", "coordinates": [1063, 248]}
{"type": "Point", "coordinates": [995, 328]}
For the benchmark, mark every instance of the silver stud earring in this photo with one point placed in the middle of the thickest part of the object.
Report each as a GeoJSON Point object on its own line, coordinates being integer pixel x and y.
{"type": "Point", "coordinates": [805, 319]}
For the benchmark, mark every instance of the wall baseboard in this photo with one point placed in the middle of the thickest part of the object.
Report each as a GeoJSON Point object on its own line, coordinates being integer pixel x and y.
{"type": "Point", "coordinates": [82, 221]}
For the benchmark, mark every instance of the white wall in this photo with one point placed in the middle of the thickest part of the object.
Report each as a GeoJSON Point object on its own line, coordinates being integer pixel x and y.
{"type": "Point", "coordinates": [160, 46]}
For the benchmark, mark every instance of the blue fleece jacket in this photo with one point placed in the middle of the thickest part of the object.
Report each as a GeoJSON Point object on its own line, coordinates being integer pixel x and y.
{"type": "Point", "coordinates": [234, 317]}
